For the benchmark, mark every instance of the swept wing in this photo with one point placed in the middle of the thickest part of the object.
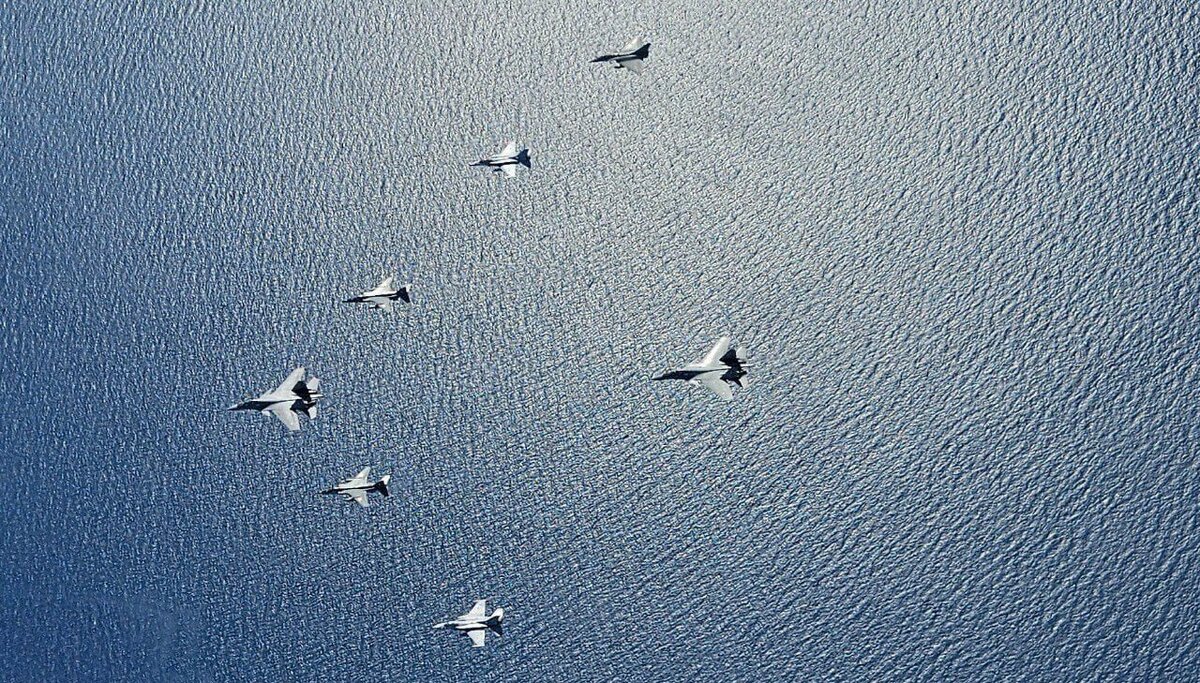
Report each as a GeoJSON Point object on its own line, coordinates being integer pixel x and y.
{"type": "Point", "coordinates": [358, 496]}
{"type": "Point", "coordinates": [713, 382]}
{"type": "Point", "coordinates": [290, 383]}
{"type": "Point", "coordinates": [637, 66]}
{"type": "Point", "coordinates": [478, 609]}
{"type": "Point", "coordinates": [716, 352]}
{"type": "Point", "coordinates": [283, 411]}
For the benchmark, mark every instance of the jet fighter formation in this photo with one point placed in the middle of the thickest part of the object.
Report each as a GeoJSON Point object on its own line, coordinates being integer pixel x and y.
{"type": "Point", "coordinates": [719, 369]}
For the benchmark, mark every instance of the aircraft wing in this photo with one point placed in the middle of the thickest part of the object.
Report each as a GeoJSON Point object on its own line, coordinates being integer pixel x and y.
{"type": "Point", "coordinates": [477, 637]}
{"type": "Point", "coordinates": [361, 477]}
{"type": "Point", "coordinates": [290, 383]}
{"type": "Point", "coordinates": [632, 45]}
{"type": "Point", "coordinates": [385, 304]}
{"type": "Point", "coordinates": [283, 411]}
{"type": "Point", "coordinates": [718, 349]}
{"type": "Point", "coordinates": [637, 66]}
{"type": "Point", "coordinates": [358, 496]}
{"type": "Point", "coordinates": [510, 170]}
{"type": "Point", "coordinates": [386, 285]}
{"type": "Point", "coordinates": [713, 382]}
{"type": "Point", "coordinates": [510, 150]}
{"type": "Point", "coordinates": [478, 609]}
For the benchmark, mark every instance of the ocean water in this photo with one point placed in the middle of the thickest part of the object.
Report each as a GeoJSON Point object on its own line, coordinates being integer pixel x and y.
{"type": "Point", "coordinates": [959, 241]}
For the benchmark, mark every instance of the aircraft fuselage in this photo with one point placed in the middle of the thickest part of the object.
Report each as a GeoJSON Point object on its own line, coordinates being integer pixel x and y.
{"type": "Point", "coordinates": [263, 403]}
{"type": "Point", "coordinates": [497, 163]}
{"type": "Point", "coordinates": [689, 372]}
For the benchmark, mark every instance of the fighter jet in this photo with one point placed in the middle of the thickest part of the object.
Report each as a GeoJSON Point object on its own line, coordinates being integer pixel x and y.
{"type": "Point", "coordinates": [384, 295]}
{"type": "Point", "coordinates": [630, 57]}
{"type": "Point", "coordinates": [294, 395]}
{"type": "Point", "coordinates": [475, 624]}
{"type": "Point", "coordinates": [357, 487]}
{"type": "Point", "coordinates": [719, 368]}
{"type": "Point", "coordinates": [506, 160]}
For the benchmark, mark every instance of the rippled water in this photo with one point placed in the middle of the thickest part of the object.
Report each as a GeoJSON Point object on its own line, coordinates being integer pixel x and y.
{"type": "Point", "coordinates": [959, 242]}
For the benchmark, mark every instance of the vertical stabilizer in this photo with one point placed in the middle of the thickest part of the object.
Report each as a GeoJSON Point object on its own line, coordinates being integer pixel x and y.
{"type": "Point", "coordinates": [312, 387]}
{"type": "Point", "coordinates": [382, 485]}
{"type": "Point", "coordinates": [494, 622]}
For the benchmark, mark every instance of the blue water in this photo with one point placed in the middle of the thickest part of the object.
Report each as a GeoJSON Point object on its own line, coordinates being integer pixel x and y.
{"type": "Point", "coordinates": [959, 241]}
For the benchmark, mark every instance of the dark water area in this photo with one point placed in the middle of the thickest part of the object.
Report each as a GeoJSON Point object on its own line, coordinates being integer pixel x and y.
{"type": "Point", "coordinates": [959, 242]}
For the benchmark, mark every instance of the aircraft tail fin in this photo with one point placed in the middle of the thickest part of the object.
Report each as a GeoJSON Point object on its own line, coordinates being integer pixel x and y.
{"type": "Point", "coordinates": [312, 385]}
{"type": "Point", "coordinates": [523, 158]}
{"type": "Point", "coordinates": [495, 622]}
{"type": "Point", "coordinates": [736, 358]}
{"type": "Point", "coordinates": [382, 485]}
{"type": "Point", "coordinates": [643, 52]}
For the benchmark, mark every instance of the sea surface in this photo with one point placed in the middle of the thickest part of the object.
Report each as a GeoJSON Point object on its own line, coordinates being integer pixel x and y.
{"type": "Point", "coordinates": [958, 239]}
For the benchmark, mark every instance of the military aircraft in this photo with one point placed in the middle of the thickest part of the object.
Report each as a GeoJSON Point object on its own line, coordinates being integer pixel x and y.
{"type": "Point", "coordinates": [630, 57]}
{"type": "Point", "coordinates": [719, 368]}
{"type": "Point", "coordinates": [507, 160]}
{"type": "Point", "coordinates": [357, 487]}
{"type": "Point", "coordinates": [384, 295]}
{"type": "Point", "coordinates": [294, 395]}
{"type": "Point", "coordinates": [476, 623]}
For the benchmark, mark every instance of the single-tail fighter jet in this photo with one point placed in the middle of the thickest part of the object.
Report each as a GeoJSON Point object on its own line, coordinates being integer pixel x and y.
{"type": "Point", "coordinates": [384, 295]}
{"type": "Point", "coordinates": [507, 160]}
{"type": "Point", "coordinates": [476, 623]}
{"type": "Point", "coordinates": [630, 57]}
{"type": "Point", "coordinates": [719, 368]}
{"type": "Point", "coordinates": [295, 395]}
{"type": "Point", "coordinates": [357, 487]}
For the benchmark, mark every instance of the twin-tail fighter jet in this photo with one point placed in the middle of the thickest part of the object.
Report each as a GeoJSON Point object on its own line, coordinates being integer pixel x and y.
{"type": "Point", "coordinates": [719, 368]}
{"type": "Point", "coordinates": [476, 623]}
{"type": "Point", "coordinates": [384, 295]}
{"type": "Point", "coordinates": [507, 160]}
{"type": "Point", "coordinates": [296, 394]}
{"type": "Point", "coordinates": [357, 487]}
{"type": "Point", "coordinates": [630, 57]}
